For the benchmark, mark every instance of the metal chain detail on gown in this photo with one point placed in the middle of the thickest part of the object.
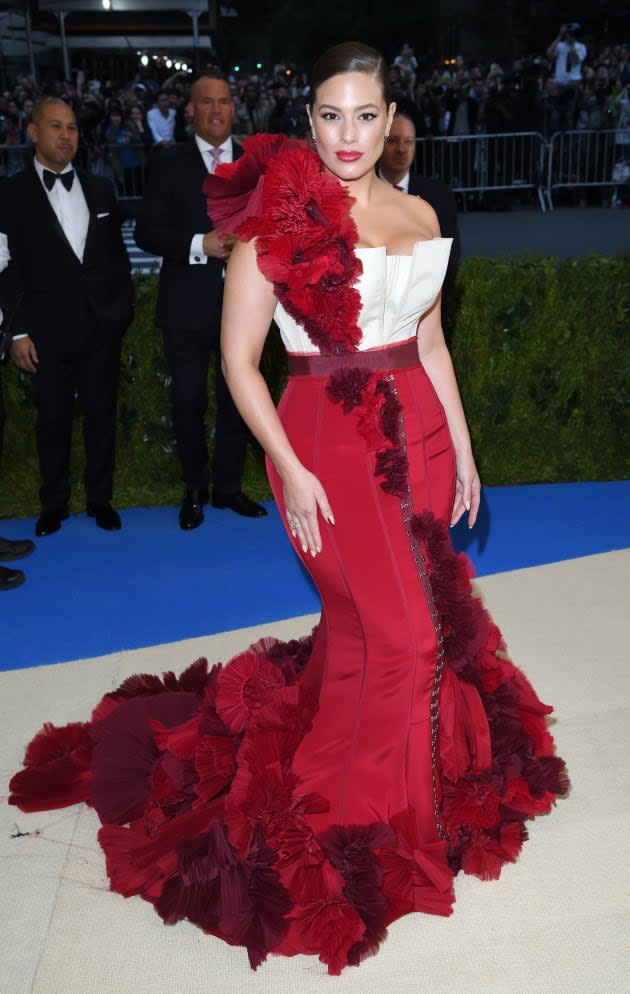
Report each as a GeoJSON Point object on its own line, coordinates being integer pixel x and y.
{"type": "Point", "coordinates": [406, 510]}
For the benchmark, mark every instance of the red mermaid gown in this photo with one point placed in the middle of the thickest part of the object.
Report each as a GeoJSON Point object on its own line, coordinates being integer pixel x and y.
{"type": "Point", "coordinates": [306, 794]}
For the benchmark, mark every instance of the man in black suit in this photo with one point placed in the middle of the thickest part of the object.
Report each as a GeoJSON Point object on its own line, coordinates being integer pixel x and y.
{"type": "Point", "coordinates": [68, 284]}
{"type": "Point", "coordinates": [174, 224]}
{"type": "Point", "coordinates": [395, 168]}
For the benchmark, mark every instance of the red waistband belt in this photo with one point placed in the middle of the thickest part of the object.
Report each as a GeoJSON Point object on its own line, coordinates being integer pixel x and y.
{"type": "Point", "coordinates": [377, 360]}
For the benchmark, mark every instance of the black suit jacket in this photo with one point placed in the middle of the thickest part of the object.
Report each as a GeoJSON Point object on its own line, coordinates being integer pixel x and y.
{"type": "Point", "coordinates": [442, 200]}
{"type": "Point", "coordinates": [63, 303]}
{"type": "Point", "coordinates": [173, 210]}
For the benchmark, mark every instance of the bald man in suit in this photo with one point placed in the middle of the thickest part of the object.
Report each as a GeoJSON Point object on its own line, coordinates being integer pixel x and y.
{"type": "Point", "coordinates": [68, 286]}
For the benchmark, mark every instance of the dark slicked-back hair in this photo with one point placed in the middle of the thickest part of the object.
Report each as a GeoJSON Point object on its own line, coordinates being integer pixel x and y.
{"type": "Point", "coordinates": [41, 105]}
{"type": "Point", "coordinates": [403, 112]}
{"type": "Point", "coordinates": [351, 56]}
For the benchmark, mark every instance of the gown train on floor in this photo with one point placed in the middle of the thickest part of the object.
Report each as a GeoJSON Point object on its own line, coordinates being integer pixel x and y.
{"type": "Point", "coordinates": [305, 794]}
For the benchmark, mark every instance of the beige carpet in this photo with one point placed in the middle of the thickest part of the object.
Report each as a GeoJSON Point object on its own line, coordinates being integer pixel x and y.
{"type": "Point", "coordinates": [555, 922]}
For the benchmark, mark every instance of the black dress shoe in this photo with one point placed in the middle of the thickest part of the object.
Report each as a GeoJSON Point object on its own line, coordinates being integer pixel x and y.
{"type": "Point", "coordinates": [240, 503]}
{"type": "Point", "coordinates": [191, 511]}
{"type": "Point", "coordinates": [50, 520]}
{"type": "Point", "coordinates": [10, 578]}
{"type": "Point", "coordinates": [11, 549]}
{"type": "Point", "coordinates": [105, 515]}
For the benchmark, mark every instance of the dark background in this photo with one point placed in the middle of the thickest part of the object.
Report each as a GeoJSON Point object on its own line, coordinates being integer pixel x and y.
{"type": "Point", "coordinates": [295, 31]}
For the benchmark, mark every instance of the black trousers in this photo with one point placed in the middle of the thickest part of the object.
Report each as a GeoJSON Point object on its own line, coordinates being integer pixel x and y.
{"type": "Point", "coordinates": [188, 354]}
{"type": "Point", "coordinates": [94, 376]}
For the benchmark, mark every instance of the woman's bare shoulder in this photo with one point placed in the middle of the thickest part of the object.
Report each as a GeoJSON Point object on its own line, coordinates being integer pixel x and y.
{"type": "Point", "coordinates": [424, 214]}
{"type": "Point", "coordinates": [398, 222]}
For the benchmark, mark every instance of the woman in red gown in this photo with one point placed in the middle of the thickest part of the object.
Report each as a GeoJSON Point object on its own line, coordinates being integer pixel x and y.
{"type": "Point", "coordinates": [306, 794]}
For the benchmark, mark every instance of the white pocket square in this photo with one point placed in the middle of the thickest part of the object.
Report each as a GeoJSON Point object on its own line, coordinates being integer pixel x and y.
{"type": "Point", "coordinates": [98, 216]}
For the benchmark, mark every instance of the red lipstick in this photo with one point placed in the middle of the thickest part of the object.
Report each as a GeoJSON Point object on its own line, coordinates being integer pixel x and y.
{"type": "Point", "coordinates": [349, 156]}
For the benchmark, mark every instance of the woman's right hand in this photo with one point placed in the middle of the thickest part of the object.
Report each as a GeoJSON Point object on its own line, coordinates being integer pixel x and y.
{"type": "Point", "coordinates": [303, 497]}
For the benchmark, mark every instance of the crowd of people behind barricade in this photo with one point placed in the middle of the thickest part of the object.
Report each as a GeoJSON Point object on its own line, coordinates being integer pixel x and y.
{"type": "Point", "coordinates": [570, 86]}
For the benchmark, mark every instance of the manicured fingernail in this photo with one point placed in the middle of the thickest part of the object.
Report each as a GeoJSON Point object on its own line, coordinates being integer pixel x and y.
{"type": "Point", "coordinates": [331, 519]}
{"type": "Point", "coordinates": [305, 548]}
{"type": "Point", "coordinates": [467, 505]}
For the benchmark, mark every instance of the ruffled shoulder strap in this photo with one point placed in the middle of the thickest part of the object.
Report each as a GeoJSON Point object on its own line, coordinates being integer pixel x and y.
{"type": "Point", "coordinates": [278, 193]}
{"type": "Point", "coordinates": [234, 192]}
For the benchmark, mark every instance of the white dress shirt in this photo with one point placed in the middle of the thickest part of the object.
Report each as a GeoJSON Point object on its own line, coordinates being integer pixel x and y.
{"type": "Point", "coordinates": [403, 183]}
{"type": "Point", "coordinates": [196, 255]}
{"type": "Point", "coordinates": [5, 258]}
{"type": "Point", "coordinates": [162, 128]}
{"type": "Point", "coordinates": [72, 212]}
{"type": "Point", "coordinates": [70, 207]}
{"type": "Point", "coordinates": [575, 73]}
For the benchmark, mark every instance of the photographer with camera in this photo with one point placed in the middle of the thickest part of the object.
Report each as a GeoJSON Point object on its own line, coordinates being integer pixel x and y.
{"type": "Point", "coordinates": [569, 54]}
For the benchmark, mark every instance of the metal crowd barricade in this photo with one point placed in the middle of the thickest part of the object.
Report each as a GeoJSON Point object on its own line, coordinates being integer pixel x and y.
{"type": "Point", "coordinates": [580, 159]}
{"type": "Point", "coordinates": [484, 162]}
{"type": "Point", "coordinates": [127, 164]}
{"type": "Point", "coordinates": [124, 164]}
{"type": "Point", "coordinates": [572, 160]}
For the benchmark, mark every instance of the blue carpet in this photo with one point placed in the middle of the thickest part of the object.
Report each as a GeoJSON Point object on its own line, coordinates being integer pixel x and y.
{"type": "Point", "coordinates": [91, 592]}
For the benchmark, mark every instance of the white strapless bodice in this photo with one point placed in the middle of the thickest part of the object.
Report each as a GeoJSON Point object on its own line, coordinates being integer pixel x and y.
{"type": "Point", "coordinates": [396, 290]}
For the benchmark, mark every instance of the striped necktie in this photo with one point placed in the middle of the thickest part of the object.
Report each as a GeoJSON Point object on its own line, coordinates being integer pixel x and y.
{"type": "Point", "coordinates": [216, 154]}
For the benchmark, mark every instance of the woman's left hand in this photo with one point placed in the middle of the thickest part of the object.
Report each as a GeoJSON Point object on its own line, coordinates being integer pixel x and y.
{"type": "Point", "coordinates": [467, 490]}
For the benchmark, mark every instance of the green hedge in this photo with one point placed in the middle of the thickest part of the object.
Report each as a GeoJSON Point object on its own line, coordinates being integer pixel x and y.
{"type": "Point", "coordinates": [542, 353]}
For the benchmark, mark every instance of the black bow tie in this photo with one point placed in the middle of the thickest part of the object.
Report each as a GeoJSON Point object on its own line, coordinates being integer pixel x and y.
{"type": "Point", "coordinates": [50, 177]}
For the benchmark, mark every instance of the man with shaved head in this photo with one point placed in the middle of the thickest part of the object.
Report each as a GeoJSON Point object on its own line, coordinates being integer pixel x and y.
{"type": "Point", "coordinates": [68, 286]}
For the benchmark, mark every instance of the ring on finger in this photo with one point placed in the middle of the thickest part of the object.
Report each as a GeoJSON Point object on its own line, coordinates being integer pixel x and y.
{"type": "Point", "coordinates": [293, 524]}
